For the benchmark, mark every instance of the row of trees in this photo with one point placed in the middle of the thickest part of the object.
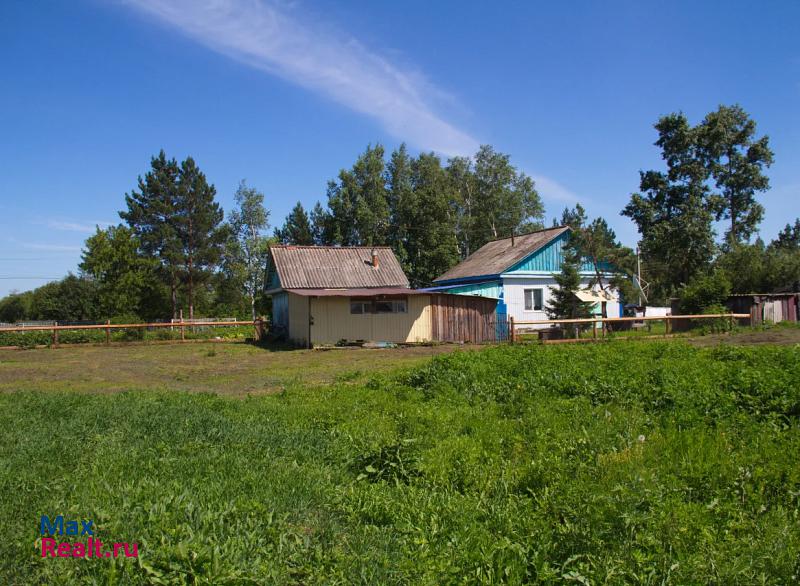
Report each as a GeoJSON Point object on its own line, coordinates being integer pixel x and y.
{"type": "Point", "coordinates": [714, 172]}
{"type": "Point", "coordinates": [176, 249]}
{"type": "Point", "coordinates": [431, 213]}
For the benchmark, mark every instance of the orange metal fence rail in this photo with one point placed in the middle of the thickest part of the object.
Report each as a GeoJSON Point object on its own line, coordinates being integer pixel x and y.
{"type": "Point", "coordinates": [603, 321]}
{"type": "Point", "coordinates": [181, 325]}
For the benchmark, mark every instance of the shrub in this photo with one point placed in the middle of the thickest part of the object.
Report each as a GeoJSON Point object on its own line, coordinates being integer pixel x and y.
{"type": "Point", "coordinates": [705, 291]}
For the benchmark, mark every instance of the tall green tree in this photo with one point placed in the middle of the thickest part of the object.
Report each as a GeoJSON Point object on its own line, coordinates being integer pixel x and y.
{"type": "Point", "coordinates": [150, 214]}
{"type": "Point", "coordinates": [464, 187]}
{"type": "Point", "coordinates": [428, 245]}
{"type": "Point", "coordinates": [788, 238]}
{"type": "Point", "coordinates": [320, 225]}
{"type": "Point", "coordinates": [671, 212]}
{"type": "Point", "coordinates": [736, 159]}
{"type": "Point", "coordinates": [15, 307]}
{"type": "Point", "coordinates": [297, 228]}
{"type": "Point", "coordinates": [745, 267]}
{"type": "Point", "coordinates": [358, 202]}
{"type": "Point", "coordinates": [124, 277]}
{"type": "Point", "coordinates": [613, 265]}
{"type": "Point", "coordinates": [70, 299]}
{"type": "Point", "coordinates": [400, 191]}
{"type": "Point", "coordinates": [505, 201]}
{"type": "Point", "coordinates": [197, 225]}
{"type": "Point", "coordinates": [563, 303]}
{"type": "Point", "coordinates": [249, 246]}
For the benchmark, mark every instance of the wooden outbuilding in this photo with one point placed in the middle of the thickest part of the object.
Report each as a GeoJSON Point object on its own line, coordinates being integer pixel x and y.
{"type": "Point", "coordinates": [767, 307]}
{"type": "Point", "coordinates": [325, 295]}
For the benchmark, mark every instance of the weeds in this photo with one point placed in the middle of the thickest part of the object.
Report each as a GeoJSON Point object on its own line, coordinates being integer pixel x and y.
{"type": "Point", "coordinates": [649, 463]}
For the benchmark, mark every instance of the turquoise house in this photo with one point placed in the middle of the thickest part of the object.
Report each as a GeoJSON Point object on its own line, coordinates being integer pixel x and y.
{"type": "Point", "coordinates": [520, 272]}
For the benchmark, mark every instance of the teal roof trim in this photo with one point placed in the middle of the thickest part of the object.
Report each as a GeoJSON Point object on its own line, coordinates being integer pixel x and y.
{"type": "Point", "coordinates": [550, 257]}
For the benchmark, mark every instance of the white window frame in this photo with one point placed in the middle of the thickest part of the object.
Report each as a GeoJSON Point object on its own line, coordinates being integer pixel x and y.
{"type": "Point", "coordinates": [529, 293]}
{"type": "Point", "coordinates": [369, 307]}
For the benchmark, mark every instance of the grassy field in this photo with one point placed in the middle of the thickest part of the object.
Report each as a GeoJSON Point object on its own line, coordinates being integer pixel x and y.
{"type": "Point", "coordinates": [642, 463]}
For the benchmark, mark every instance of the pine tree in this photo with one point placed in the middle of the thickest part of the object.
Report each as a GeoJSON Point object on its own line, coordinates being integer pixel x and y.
{"type": "Point", "coordinates": [563, 303]}
{"type": "Point", "coordinates": [297, 228]}
{"type": "Point", "coordinates": [788, 238]}
{"type": "Point", "coordinates": [196, 223]}
{"type": "Point", "coordinates": [320, 225]}
{"type": "Point", "coordinates": [150, 214]}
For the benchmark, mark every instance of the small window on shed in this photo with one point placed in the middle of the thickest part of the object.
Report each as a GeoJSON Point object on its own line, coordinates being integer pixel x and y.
{"type": "Point", "coordinates": [358, 307]}
{"type": "Point", "coordinates": [384, 307]}
{"type": "Point", "coordinates": [534, 299]}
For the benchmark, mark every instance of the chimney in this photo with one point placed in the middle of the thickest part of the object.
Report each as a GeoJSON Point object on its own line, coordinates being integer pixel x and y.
{"type": "Point", "coordinates": [375, 261]}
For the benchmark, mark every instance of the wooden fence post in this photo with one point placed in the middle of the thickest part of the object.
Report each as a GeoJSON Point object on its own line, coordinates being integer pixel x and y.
{"type": "Point", "coordinates": [183, 329]}
{"type": "Point", "coordinates": [55, 336]}
{"type": "Point", "coordinates": [108, 332]}
{"type": "Point", "coordinates": [511, 330]}
{"type": "Point", "coordinates": [667, 325]}
{"type": "Point", "coordinates": [594, 330]}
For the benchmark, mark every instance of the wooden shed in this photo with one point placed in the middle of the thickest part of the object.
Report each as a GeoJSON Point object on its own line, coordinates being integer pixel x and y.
{"type": "Point", "coordinates": [767, 307]}
{"type": "Point", "coordinates": [329, 295]}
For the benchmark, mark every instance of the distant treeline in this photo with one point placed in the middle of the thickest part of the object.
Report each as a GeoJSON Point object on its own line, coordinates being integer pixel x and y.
{"type": "Point", "coordinates": [176, 251]}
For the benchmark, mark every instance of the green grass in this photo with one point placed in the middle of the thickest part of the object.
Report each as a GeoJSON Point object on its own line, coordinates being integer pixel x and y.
{"type": "Point", "coordinates": [649, 463]}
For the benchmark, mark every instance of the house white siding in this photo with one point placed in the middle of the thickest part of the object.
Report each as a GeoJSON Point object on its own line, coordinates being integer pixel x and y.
{"type": "Point", "coordinates": [514, 297]}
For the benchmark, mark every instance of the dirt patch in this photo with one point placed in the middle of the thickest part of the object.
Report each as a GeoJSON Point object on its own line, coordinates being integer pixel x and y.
{"type": "Point", "coordinates": [232, 368]}
{"type": "Point", "coordinates": [783, 335]}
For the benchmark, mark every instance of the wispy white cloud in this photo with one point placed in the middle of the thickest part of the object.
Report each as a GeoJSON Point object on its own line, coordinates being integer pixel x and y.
{"type": "Point", "coordinates": [84, 228]}
{"type": "Point", "coordinates": [553, 191]}
{"type": "Point", "coordinates": [49, 247]}
{"type": "Point", "coordinates": [269, 37]}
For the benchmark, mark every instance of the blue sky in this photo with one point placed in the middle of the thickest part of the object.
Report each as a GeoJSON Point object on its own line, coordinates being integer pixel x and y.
{"type": "Point", "coordinates": [285, 93]}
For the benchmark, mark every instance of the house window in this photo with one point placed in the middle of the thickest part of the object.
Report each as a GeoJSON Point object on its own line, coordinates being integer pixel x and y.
{"type": "Point", "coordinates": [534, 299]}
{"type": "Point", "coordinates": [360, 307]}
{"type": "Point", "coordinates": [391, 306]}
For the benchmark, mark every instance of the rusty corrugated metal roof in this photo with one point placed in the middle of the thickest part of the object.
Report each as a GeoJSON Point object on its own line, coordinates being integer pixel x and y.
{"type": "Point", "coordinates": [498, 255]}
{"type": "Point", "coordinates": [358, 292]}
{"type": "Point", "coordinates": [336, 267]}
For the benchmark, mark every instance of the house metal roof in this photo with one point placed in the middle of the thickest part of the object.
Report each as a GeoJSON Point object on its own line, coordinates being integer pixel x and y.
{"type": "Point", "coordinates": [498, 256]}
{"type": "Point", "coordinates": [336, 267]}
{"type": "Point", "coordinates": [358, 292]}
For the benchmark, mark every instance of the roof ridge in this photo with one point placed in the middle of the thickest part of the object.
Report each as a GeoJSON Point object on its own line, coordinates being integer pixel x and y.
{"type": "Point", "coordinates": [331, 247]}
{"type": "Point", "coordinates": [561, 227]}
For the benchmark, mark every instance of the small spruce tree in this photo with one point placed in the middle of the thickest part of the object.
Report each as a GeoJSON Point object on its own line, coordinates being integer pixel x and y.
{"type": "Point", "coordinates": [563, 302]}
